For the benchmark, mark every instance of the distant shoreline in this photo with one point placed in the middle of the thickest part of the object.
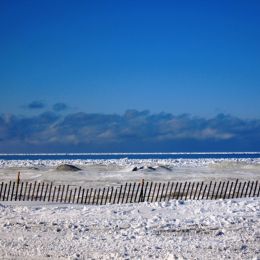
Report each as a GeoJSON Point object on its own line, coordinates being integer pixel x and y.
{"type": "Point", "coordinates": [130, 153]}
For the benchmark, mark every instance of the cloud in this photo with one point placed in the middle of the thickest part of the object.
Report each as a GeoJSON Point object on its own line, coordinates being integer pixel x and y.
{"type": "Point", "coordinates": [35, 105]}
{"type": "Point", "coordinates": [58, 107]}
{"type": "Point", "coordinates": [132, 131]}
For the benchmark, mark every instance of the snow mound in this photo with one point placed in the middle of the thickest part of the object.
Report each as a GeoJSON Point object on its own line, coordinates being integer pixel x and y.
{"type": "Point", "coordinates": [67, 167]}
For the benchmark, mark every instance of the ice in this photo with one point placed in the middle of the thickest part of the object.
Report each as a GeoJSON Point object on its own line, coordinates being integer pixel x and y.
{"type": "Point", "coordinates": [116, 171]}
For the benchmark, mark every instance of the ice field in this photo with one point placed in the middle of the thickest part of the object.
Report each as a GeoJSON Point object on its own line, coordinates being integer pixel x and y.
{"type": "Point", "coordinates": [110, 172]}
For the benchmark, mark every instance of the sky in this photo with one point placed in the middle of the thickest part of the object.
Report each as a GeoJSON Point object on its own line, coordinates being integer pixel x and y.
{"type": "Point", "coordinates": [72, 72]}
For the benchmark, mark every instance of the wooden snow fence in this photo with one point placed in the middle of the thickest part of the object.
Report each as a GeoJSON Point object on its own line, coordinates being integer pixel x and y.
{"type": "Point", "coordinates": [127, 193]}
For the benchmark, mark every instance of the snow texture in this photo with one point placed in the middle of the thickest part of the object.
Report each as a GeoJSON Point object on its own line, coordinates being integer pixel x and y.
{"type": "Point", "coordinates": [174, 230]}
{"type": "Point", "coordinates": [219, 229]}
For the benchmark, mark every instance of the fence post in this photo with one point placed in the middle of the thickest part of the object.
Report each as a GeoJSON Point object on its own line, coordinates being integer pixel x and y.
{"type": "Point", "coordinates": [133, 192]}
{"type": "Point", "coordinates": [230, 190]}
{"type": "Point", "coordinates": [170, 193]}
{"type": "Point", "coordinates": [214, 187]}
{"type": "Point", "coordinates": [66, 193]}
{"type": "Point", "coordinates": [226, 190]}
{"type": "Point", "coordinates": [247, 188]}
{"type": "Point", "coordinates": [121, 187]}
{"type": "Point", "coordinates": [166, 192]}
{"type": "Point", "coordinates": [69, 195]}
{"type": "Point", "coordinates": [26, 184]}
{"type": "Point", "coordinates": [82, 196]}
{"type": "Point", "coordinates": [78, 194]}
{"type": "Point", "coordinates": [102, 196]}
{"type": "Point", "coordinates": [114, 201]}
{"type": "Point", "coordinates": [203, 194]}
{"type": "Point", "coordinates": [58, 193]}
{"type": "Point", "coordinates": [194, 196]}
{"type": "Point", "coordinates": [29, 192]}
{"type": "Point", "coordinates": [175, 190]}
{"type": "Point", "coordinates": [192, 186]}
{"type": "Point", "coordinates": [42, 191]}
{"type": "Point", "coordinates": [187, 192]}
{"type": "Point", "coordinates": [49, 198]}
{"type": "Point", "coordinates": [234, 191]}
{"type": "Point", "coordinates": [241, 195]}
{"type": "Point", "coordinates": [145, 190]}
{"type": "Point", "coordinates": [18, 177]}
{"type": "Point", "coordinates": [2, 184]}
{"type": "Point", "coordinates": [62, 193]}
{"type": "Point", "coordinates": [238, 190]}
{"type": "Point", "coordinates": [5, 191]}
{"type": "Point", "coordinates": [74, 195]}
{"type": "Point", "coordinates": [9, 188]}
{"type": "Point", "coordinates": [107, 195]}
{"type": "Point", "coordinates": [163, 186]}
{"type": "Point", "coordinates": [122, 201]}
{"type": "Point", "coordinates": [183, 191]}
{"type": "Point", "coordinates": [201, 186]}
{"type": "Point", "coordinates": [45, 194]}
{"type": "Point", "coordinates": [255, 188]}
{"type": "Point", "coordinates": [111, 194]}
{"type": "Point", "coordinates": [142, 190]}
{"type": "Point", "coordinates": [251, 189]}
{"type": "Point", "coordinates": [54, 191]}
{"type": "Point", "coordinates": [17, 188]}
{"type": "Point", "coordinates": [158, 192]}
{"type": "Point", "coordinates": [38, 189]}
{"type": "Point", "coordinates": [128, 192]}
{"type": "Point", "coordinates": [208, 190]}
{"type": "Point", "coordinates": [21, 191]}
{"type": "Point", "coordinates": [34, 187]}
{"type": "Point", "coordinates": [12, 194]}
{"type": "Point", "coordinates": [98, 196]}
{"type": "Point", "coordinates": [89, 199]}
{"type": "Point", "coordinates": [138, 187]}
{"type": "Point", "coordinates": [86, 197]}
{"type": "Point", "coordinates": [178, 194]}
{"type": "Point", "coordinates": [218, 189]}
{"type": "Point", "coordinates": [222, 188]}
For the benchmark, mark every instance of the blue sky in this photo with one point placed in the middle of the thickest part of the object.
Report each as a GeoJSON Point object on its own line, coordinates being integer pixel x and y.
{"type": "Point", "coordinates": [102, 58]}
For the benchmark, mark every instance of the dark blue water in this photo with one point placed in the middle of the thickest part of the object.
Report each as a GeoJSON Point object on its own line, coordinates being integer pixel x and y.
{"type": "Point", "coordinates": [129, 156]}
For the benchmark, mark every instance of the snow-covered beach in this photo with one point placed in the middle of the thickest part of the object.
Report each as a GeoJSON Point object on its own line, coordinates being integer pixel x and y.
{"type": "Point", "coordinates": [117, 171]}
{"type": "Point", "coordinates": [200, 229]}
{"type": "Point", "coordinates": [228, 229]}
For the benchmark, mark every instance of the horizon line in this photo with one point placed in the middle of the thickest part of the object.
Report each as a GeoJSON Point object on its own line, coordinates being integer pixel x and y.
{"type": "Point", "coordinates": [124, 153]}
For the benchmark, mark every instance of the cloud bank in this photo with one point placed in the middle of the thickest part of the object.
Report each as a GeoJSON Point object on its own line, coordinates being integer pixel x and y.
{"type": "Point", "coordinates": [134, 131]}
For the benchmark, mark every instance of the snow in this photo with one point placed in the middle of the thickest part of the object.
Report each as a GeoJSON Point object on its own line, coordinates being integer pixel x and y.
{"type": "Point", "coordinates": [113, 172]}
{"type": "Point", "coordinates": [205, 229]}
{"type": "Point", "coordinates": [173, 230]}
